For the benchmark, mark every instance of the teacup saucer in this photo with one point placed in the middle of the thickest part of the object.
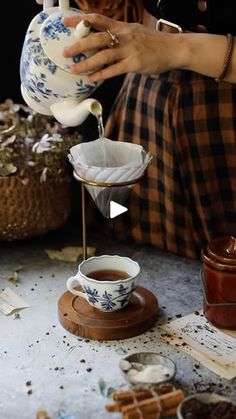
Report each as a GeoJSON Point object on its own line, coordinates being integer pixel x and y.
{"type": "Point", "coordinates": [77, 316]}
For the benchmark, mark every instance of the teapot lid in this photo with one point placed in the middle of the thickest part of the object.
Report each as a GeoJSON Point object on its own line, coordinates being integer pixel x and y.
{"type": "Point", "coordinates": [223, 249]}
{"type": "Point", "coordinates": [55, 36]}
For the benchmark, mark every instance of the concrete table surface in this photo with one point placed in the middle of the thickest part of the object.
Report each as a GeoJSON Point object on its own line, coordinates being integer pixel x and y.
{"type": "Point", "coordinates": [44, 367]}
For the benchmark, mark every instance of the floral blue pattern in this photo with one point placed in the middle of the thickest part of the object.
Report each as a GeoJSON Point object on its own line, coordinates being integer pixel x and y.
{"type": "Point", "coordinates": [41, 17]}
{"type": "Point", "coordinates": [79, 57]}
{"type": "Point", "coordinates": [92, 295]}
{"type": "Point", "coordinates": [105, 300]}
{"type": "Point", "coordinates": [122, 290]}
{"type": "Point", "coordinates": [54, 28]}
{"type": "Point", "coordinates": [84, 87]}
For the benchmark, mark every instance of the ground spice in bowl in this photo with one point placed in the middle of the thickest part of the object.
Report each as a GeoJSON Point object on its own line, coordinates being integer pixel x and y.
{"type": "Point", "coordinates": [197, 407]}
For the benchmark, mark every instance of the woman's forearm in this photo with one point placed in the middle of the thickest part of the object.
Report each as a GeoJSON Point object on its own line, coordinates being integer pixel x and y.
{"type": "Point", "coordinates": [203, 53]}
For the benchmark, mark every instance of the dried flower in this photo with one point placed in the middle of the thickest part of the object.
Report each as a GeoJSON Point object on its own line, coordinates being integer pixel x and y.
{"type": "Point", "coordinates": [29, 141]}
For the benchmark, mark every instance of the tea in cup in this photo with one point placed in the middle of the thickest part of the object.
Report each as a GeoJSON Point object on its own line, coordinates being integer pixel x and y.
{"type": "Point", "coordinates": [107, 281]}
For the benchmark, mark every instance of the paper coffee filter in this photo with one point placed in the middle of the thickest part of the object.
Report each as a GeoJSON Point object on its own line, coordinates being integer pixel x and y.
{"type": "Point", "coordinates": [104, 160]}
{"type": "Point", "coordinates": [107, 161]}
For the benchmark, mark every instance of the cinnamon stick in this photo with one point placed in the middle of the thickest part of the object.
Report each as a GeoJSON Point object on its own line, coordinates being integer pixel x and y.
{"type": "Point", "coordinates": [147, 407]}
{"type": "Point", "coordinates": [170, 412]}
{"type": "Point", "coordinates": [149, 416]}
{"type": "Point", "coordinates": [140, 392]}
{"type": "Point", "coordinates": [113, 407]}
{"type": "Point", "coordinates": [144, 415]}
{"type": "Point", "coordinates": [171, 399]}
{"type": "Point", "coordinates": [136, 415]}
{"type": "Point", "coordinates": [142, 400]}
{"type": "Point", "coordinates": [127, 397]}
{"type": "Point", "coordinates": [166, 401]}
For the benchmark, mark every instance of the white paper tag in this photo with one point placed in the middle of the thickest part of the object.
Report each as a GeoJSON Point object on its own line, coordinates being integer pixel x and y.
{"type": "Point", "coordinates": [200, 335]}
{"type": "Point", "coordinates": [9, 301]}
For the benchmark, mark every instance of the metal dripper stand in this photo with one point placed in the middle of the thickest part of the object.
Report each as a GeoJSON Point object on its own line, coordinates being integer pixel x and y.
{"type": "Point", "coordinates": [84, 182]}
{"type": "Point", "coordinates": [81, 319]}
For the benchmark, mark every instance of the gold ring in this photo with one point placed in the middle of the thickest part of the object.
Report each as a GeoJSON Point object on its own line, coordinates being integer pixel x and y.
{"type": "Point", "coordinates": [114, 40]}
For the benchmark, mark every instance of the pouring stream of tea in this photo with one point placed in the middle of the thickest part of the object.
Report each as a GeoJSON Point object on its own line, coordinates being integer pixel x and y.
{"type": "Point", "coordinates": [100, 127]}
{"type": "Point", "coordinates": [101, 136]}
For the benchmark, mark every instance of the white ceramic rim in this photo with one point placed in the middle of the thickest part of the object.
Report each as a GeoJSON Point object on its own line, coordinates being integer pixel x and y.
{"type": "Point", "coordinates": [127, 259]}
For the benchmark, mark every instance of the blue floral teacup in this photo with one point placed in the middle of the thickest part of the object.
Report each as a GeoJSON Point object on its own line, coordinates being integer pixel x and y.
{"type": "Point", "coordinates": [107, 281]}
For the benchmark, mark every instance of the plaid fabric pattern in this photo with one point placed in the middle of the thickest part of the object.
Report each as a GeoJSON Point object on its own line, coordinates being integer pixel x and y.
{"type": "Point", "coordinates": [188, 194]}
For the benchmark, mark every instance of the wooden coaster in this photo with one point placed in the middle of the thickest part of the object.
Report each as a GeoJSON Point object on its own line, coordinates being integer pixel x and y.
{"type": "Point", "coordinates": [78, 317]}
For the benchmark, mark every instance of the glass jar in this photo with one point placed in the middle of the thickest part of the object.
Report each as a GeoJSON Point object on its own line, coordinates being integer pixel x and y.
{"type": "Point", "coordinates": [219, 281]}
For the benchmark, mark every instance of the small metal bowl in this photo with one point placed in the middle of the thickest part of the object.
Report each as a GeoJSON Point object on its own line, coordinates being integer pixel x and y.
{"type": "Point", "coordinates": [201, 397]}
{"type": "Point", "coordinates": [147, 368]}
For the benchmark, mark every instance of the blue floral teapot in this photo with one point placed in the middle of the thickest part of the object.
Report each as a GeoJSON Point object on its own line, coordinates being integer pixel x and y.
{"type": "Point", "coordinates": [47, 85]}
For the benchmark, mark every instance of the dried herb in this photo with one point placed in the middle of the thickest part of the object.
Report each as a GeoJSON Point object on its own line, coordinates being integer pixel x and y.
{"type": "Point", "coordinates": [29, 141]}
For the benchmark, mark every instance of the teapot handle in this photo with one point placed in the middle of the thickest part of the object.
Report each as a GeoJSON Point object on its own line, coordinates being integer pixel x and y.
{"type": "Point", "coordinates": [47, 4]}
{"type": "Point", "coordinates": [63, 4]}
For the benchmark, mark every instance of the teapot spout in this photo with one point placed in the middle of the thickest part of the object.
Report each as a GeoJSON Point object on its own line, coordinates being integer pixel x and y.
{"type": "Point", "coordinates": [71, 113]}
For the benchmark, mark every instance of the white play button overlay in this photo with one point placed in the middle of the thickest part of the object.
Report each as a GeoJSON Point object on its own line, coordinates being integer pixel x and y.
{"type": "Point", "coordinates": [116, 209]}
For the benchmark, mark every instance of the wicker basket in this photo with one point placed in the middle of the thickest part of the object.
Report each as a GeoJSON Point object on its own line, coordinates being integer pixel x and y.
{"type": "Point", "coordinates": [32, 208]}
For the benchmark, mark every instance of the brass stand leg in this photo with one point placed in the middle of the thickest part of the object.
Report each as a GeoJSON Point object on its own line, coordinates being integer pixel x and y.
{"type": "Point", "coordinates": [84, 222]}
{"type": "Point", "coordinates": [101, 184]}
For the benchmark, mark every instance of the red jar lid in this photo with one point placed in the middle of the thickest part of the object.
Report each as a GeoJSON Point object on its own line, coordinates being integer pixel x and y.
{"type": "Point", "coordinates": [222, 250]}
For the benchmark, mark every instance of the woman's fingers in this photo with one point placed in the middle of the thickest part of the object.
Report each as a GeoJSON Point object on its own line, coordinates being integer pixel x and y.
{"type": "Point", "coordinates": [72, 20]}
{"type": "Point", "coordinates": [96, 61]}
{"type": "Point", "coordinates": [98, 22]}
{"type": "Point", "coordinates": [112, 70]}
{"type": "Point", "coordinates": [93, 41]}
{"type": "Point", "coordinates": [121, 48]}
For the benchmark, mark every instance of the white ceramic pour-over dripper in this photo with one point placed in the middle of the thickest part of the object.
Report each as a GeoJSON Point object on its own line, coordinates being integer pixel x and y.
{"type": "Point", "coordinates": [47, 84]}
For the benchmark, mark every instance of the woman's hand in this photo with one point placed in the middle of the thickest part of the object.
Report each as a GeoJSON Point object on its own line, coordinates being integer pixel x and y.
{"type": "Point", "coordinates": [139, 50]}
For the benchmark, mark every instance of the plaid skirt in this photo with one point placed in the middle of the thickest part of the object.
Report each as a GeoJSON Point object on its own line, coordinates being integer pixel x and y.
{"type": "Point", "coordinates": [188, 194]}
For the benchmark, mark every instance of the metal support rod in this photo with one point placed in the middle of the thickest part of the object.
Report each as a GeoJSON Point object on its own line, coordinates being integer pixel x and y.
{"type": "Point", "coordinates": [101, 184]}
{"type": "Point", "coordinates": [84, 223]}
